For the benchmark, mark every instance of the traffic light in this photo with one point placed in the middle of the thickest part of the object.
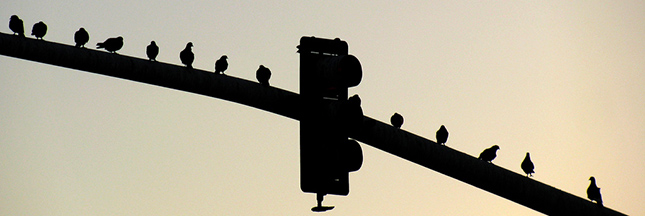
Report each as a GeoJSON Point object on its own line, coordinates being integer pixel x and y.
{"type": "Point", "coordinates": [328, 117]}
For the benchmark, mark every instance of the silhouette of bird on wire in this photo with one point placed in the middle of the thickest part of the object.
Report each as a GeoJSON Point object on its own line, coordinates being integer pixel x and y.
{"type": "Point", "coordinates": [15, 24]}
{"type": "Point", "coordinates": [187, 57]}
{"type": "Point", "coordinates": [593, 191]}
{"type": "Point", "coordinates": [489, 154]}
{"type": "Point", "coordinates": [221, 64]}
{"type": "Point", "coordinates": [527, 165]}
{"type": "Point", "coordinates": [442, 135]}
{"type": "Point", "coordinates": [396, 120]}
{"type": "Point", "coordinates": [81, 37]}
{"type": "Point", "coordinates": [263, 74]}
{"type": "Point", "coordinates": [39, 30]}
{"type": "Point", "coordinates": [152, 51]}
{"type": "Point", "coordinates": [111, 44]}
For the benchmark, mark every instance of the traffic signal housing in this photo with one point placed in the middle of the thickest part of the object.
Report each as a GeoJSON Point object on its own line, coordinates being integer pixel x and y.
{"type": "Point", "coordinates": [328, 117]}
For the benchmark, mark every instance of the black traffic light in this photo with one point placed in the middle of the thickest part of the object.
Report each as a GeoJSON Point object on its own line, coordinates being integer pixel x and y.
{"type": "Point", "coordinates": [328, 117]}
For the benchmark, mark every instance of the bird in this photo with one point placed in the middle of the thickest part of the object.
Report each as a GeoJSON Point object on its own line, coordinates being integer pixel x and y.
{"type": "Point", "coordinates": [396, 120]}
{"type": "Point", "coordinates": [352, 113]}
{"type": "Point", "coordinates": [187, 57]}
{"type": "Point", "coordinates": [111, 44]}
{"type": "Point", "coordinates": [15, 24]}
{"type": "Point", "coordinates": [221, 64]}
{"type": "Point", "coordinates": [152, 51]}
{"type": "Point", "coordinates": [81, 37]}
{"type": "Point", "coordinates": [593, 191]}
{"type": "Point", "coordinates": [39, 30]}
{"type": "Point", "coordinates": [489, 154]}
{"type": "Point", "coordinates": [527, 165]}
{"type": "Point", "coordinates": [354, 100]}
{"type": "Point", "coordinates": [263, 74]}
{"type": "Point", "coordinates": [442, 135]}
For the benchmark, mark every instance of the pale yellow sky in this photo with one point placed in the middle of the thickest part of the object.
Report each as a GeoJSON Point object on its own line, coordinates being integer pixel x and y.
{"type": "Point", "coordinates": [562, 80]}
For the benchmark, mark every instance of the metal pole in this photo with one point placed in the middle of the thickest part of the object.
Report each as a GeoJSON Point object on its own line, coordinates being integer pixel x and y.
{"type": "Point", "coordinates": [468, 169]}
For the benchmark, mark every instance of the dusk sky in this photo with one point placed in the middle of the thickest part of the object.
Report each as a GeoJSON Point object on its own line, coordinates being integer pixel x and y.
{"type": "Point", "coordinates": [563, 80]}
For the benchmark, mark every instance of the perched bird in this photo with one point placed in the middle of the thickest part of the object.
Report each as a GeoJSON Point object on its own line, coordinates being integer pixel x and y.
{"type": "Point", "coordinates": [354, 100]}
{"type": "Point", "coordinates": [81, 37]}
{"type": "Point", "coordinates": [527, 165]}
{"type": "Point", "coordinates": [111, 44]}
{"type": "Point", "coordinates": [15, 24]}
{"type": "Point", "coordinates": [152, 51]}
{"type": "Point", "coordinates": [39, 30]}
{"type": "Point", "coordinates": [263, 74]}
{"type": "Point", "coordinates": [221, 64]}
{"type": "Point", "coordinates": [352, 113]}
{"type": "Point", "coordinates": [593, 192]}
{"type": "Point", "coordinates": [187, 57]}
{"type": "Point", "coordinates": [489, 154]}
{"type": "Point", "coordinates": [442, 135]}
{"type": "Point", "coordinates": [396, 120]}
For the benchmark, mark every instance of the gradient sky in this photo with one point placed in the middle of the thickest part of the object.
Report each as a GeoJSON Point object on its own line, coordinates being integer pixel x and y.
{"type": "Point", "coordinates": [563, 80]}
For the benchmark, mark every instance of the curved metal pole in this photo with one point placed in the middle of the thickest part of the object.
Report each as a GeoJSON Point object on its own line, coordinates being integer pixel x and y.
{"type": "Point", "coordinates": [463, 167]}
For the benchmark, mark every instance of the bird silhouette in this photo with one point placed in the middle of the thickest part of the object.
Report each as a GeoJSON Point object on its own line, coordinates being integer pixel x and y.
{"type": "Point", "coordinates": [221, 64]}
{"type": "Point", "coordinates": [263, 74]}
{"type": "Point", "coordinates": [489, 154]}
{"type": "Point", "coordinates": [15, 24]}
{"type": "Point", "coordinates": [152, 51]}
{"type": "Point", "coordinates": [442, 135]}
{"type": "Point", "coordinates": [81, 37]}
{"type": "Point", "coordinates": [111, 44]}
{"type": "Point", "coordinates": [39, 30]}
{"type": "Point", "coordinates": [396, 120]}
{"type": "Point", "coordinates": [354, 100]}
{"type": "Point", "coordinates": [593, 191]}
{"type": "Point", "coordinates": [527, 165]}
{"type": "Point", "coordinates": [187, 57]}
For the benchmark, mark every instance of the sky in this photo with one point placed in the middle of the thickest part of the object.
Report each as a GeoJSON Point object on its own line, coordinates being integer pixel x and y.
{"type": "Point", "coordinates": [563, 80]}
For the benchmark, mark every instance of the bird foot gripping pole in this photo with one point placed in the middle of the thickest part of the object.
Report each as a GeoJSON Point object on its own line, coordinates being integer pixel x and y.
{"type": "Point", "coordinates": [320, 207]}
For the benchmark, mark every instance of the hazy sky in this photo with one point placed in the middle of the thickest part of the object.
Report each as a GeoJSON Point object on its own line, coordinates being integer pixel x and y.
{"type": "Point", "coordinates": [563, 80]}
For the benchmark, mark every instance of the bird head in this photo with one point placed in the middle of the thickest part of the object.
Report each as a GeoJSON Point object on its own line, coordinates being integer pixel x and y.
{"type": "Point", "coordinates": [13, 17]}
{"type": "Point", "coordinates": [153, 43]}
{"type": "Point", "coordinates": [592, 179]}
{"type": "Point", "coordinates": [189, 44]}
{"type": "Point", "coordinates": [120, 38]}
{"type": "Point", "coordinates": [355, 100]}
{"type": "Point", "coordinates": [495, 147]}
{"type": "Point", "coordinates": [81, 29]}
{"type": "Point", "coordinates": [224, 57]}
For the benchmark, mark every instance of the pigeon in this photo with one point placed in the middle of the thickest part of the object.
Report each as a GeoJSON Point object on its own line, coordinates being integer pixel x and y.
{"type": "Point", "coordinates": [39, 30]}
{"type": "Point", "coordinates": [152, 51]}
{"type": "Point", "coordinates": [111, 44]}
{"type": "Point", "coordinates": [81, 37]}
{"type": "Point", "coordinates": [593, 192]}
{"type": "Point", "coordinates": [396, 120]}
{"type": "Point", "coordinates": [352, 113]}
{"type": "Point", "coordinates": [221, 64]}
{"type": "Point", "coordinates": [489, 154]}
{"type": "Point", "coordinates": [442, 135]}
{"type": "Point", "coordinates": [187, 57]}
{"type": "Point", "coordinates": [527, 165]}
{"type": "Point", "coordinates": [15, 24]}
{"type": "Point", "coordinates": [263, 74]}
